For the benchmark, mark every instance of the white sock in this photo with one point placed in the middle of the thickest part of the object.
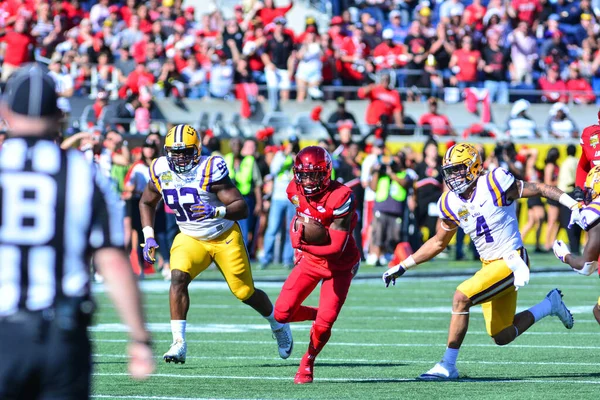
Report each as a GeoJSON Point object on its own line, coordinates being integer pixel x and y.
{"type": "Point", "coordinates": [450, 356]}
{"type": "Point", "coordinates": [541, 310]}
{"type": "Point", "coordinates": [273, 322]}
{"type": "Point", "coordinates": [178, 329]}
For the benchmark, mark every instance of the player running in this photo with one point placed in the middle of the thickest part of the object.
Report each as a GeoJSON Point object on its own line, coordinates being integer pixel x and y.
{"type": "Point", "coordinates": [206, 204]}
{"type": "Point", "coordinates": [590, 218]}
{"type": "Point", "coordinates": [334, 264]}
{"type": "Point", "coordinates": [483, 205]}
{"type": "Point", "coordinates": [590, 152]}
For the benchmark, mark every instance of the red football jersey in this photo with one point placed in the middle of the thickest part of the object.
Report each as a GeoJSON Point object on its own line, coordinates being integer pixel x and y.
{"type": "Point", "coordinates": [590, 153]}
{"type": "Point", "coordinates": [338, 201]}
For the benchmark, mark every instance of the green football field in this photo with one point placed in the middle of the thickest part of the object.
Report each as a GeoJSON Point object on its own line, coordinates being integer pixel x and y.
{"type": "Point", "coordinates": [383, 339]}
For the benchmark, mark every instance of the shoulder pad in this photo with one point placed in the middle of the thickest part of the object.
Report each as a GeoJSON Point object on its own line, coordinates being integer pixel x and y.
{"type": "Point", "coordinates": [445, 209]}
{"type": "Point", "coordinates": [499, 182]}
{"type": "Point", "coordinates": [211, 170]}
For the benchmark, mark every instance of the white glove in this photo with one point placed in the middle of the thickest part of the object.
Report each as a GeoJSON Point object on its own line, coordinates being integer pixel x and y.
{"type": "Point", "coordinates": [519, 268]}
{"type": "Point", "coordinates": [576, 218]}
{"type": "Point", "coordinates": [561, 250]}
{"type": "Point", "coordinates": [588, 268]}
{"type": "Point", "coordinates": [391, 274]}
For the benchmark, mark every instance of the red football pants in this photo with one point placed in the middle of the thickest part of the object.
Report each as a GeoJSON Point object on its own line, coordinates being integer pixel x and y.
{"type": "Point", "coordinates": [300, 283]}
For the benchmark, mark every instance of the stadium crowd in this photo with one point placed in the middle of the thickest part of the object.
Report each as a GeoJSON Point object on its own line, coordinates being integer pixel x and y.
{"type": "Point", "coordinates": [157, 49]}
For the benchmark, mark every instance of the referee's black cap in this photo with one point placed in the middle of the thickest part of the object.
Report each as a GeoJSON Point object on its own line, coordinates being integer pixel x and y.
{"type": "Point", "coordinates": [31, 92]}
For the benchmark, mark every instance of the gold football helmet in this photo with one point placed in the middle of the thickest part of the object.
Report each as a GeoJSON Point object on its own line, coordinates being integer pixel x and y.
{"type": "Point", "coordinates": [182, 147]}
{"type": "Point", "coordinates": [461, 166]}
{"type": "Point", "coordinates": [591, 187]}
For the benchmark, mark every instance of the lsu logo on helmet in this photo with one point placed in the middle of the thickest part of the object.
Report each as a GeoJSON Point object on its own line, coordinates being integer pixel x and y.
{"type": "Point", "coordinates": [461, 166]}
{"type": "Point", "coordinates": [591, 188]}
{"type": "Point", "coordinates": [182, 146]}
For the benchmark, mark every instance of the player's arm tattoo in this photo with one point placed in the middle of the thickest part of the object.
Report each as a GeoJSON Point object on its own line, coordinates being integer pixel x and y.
{"type": "Point", "coordinates": [230, 196]}
{"type": "Point", "coordinates": [531, 189]}
{"type": "Point", "coordinates": [150, 198]}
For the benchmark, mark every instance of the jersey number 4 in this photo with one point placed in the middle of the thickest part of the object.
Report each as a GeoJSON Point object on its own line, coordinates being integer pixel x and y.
{"type": "Point", "coordinates": [484, 229]}
{"type": "Point", "coordinates": [176, 200]}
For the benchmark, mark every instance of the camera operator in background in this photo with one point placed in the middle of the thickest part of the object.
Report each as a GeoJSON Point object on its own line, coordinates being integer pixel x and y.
{"type": "Point", "coordinates": [390, 183]}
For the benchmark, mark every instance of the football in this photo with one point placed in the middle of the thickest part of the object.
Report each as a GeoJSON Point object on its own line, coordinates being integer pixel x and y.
{"type": "Point", "coordinates": [314, 232]}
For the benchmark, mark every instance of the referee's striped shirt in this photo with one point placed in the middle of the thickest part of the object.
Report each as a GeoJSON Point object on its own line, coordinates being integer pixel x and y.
{"type": "Point", "coordinates": [55, 211]}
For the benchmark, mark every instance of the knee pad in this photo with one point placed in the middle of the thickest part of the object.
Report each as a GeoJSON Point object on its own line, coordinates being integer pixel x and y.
{"type": "Point", "coordinates": [244, 292]}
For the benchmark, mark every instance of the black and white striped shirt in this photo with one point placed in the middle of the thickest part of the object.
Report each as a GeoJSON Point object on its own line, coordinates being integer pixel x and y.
{"type": "Point", "coordinates": [55, 210]}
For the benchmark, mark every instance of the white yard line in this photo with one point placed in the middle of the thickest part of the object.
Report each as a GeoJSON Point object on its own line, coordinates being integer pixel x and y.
{"type": "Point", "coordinates": [367, 361]}
{"type": "Point", "coordinates": [238, 328]}
{"type": "Point", "coordinates": [350, 344]}
{"type": "Point", "coordinates": [383, 380]}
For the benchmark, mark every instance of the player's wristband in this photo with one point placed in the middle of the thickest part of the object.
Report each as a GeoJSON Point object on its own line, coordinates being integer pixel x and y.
{"type": "Point", "coordinates": [408, 263]}
{"type": "Point", "coordinates": [220, 212]}
{"type": "Point", "coordinates": [148, 232]}
{"type": "Point", "coordinates": [567, 201]}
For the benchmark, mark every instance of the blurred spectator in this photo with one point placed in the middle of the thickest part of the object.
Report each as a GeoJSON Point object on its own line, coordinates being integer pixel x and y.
{"type": "Point", "coordinates": [232, 33]}
{"type": "Point", "coordinates": [395, 25]}
{"type": "Point", "coordinates": [560, 125]}
{"type": "Point", "coordinates": [434, 123]}
{"type": "Point", "coordinates": [281, 210]}
{"type": "Point", "coordinates": [195, 79]}
{"type": "Point", "coordinates": [267, 12]}
{"type": "Point", "coordinates": [18, 48]}
{"type": "Point", "coordinates": [221, 76]}
{"type": "Point", "coordinates": [309, 71]}
{"type": "Point", "coordinates": [555, 49]}
{"type": "Point", "coordinates": [140, 77]}
{"type": "Point", "coordinates": [429, 187]}
{"type": "Point", "coordinates": [388, 55]}
{"type": "Point", "coordinates": [552, 212]}
{"type": "Point", "coordinates": [494, 63]}
{"type": "Point", "coordinates": [124, 64]}
{"type": "Point", "coordinates": [377, 150]}
{"type": "Point", "coordinates": [450, 7]}
{"type": "Point", "coordinates": [278, 58]}
{"type": "Point", "coordinates": [244, 172]}
{"type": "Point", "coordinates": [64, 88]}
{"type": "Point", "coordinates": [341, 114]}
{"type": "Point", "coordinates": [579, 88]}
{"type": "Point", "coordinates": [566, 183]}
{"type": "Point", "coordinates": [464, 63]}
{"type": "Point", "coordinates": [353, 53]}
{"type": "Point", "coordinates": [370, 35]}
{"type": "Point", "coordinates": [520, 125]}
{"type": "Point", "coordinates": [418, 48]}
{"type": "Point", "coordinates": [390, 183]}
{"type": "Point", "coordinates": [98, 13]}
{"type": "Point", "coordinates": [553, 88]}
{"type": "Point", "coordinates": [525, 11]}
{"type": "Point", "coordinates": [535, 212]}
{"type": "Point", "coordinates": [384, 102]}
{"type": "Point", "coordinates": [523, 53]}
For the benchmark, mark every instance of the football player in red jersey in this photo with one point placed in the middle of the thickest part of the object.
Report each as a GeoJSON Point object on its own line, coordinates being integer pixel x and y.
{"type": "Point", "coordinates": [316, 196]}
{"type": "Point", "coordinates": [590, 152]}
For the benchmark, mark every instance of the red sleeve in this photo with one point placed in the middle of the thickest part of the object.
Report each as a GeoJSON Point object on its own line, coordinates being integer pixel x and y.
{"type": "Point", "coordinates": [583, 167]}
{"type": "Point", "coordinates": [363, 95]}
{"type": "Point", "coordinates": [424, 119]}
{"type": "Point", "coordinates": [335, 248]}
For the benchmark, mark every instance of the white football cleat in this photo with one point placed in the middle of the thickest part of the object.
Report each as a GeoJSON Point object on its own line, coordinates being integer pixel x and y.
{"type": "Point", "coordinates": [440, 371]}
{"type": "Point", "coordinates": [285, 342]}
{"type": "Point", "coordinates": [559, 309]}
{"type": "Point", "coordinates": [177, 352]}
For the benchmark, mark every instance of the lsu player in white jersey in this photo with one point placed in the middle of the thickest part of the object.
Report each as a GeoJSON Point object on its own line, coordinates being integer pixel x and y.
{"type": "Point", "coordinates": [483, 205]}
{"type": "Point", "coordinates": [586, 264]}
{"type": "Point", "coordinates": [207, 205]}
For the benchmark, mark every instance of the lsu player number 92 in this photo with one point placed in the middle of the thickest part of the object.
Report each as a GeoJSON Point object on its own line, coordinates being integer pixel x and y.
{"type": "Point", "coordinates": [482, 204]}
{"type": "Point", "coordinates": [206, 205]}
{"type": "Point", "coordinates": [587, 263]}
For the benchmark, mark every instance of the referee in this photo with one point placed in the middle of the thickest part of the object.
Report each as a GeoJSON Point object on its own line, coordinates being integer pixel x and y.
{"type": "Point", "coordinates": [56, 211]}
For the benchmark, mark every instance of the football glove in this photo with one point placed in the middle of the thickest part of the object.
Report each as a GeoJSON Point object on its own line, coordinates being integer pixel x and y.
{"type": "Point", "coordinates": [561, 250]}
{"type": "Point", "coordinates": [576, 217]}
{"type": "Point", "coordinates": [149, 249]}
{"type": "Point", "coordinates": [578, 193]}
{"type": "Point", "coordinates": [296, 235]}
{"type": "Point", "coordinates": [391, 274]}
{"type": "Point", "coordinates": [202, 211]}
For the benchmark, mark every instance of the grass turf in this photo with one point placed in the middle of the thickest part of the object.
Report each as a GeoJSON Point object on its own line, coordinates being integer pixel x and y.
{"type": "Point", "coordinates": [382, 340]}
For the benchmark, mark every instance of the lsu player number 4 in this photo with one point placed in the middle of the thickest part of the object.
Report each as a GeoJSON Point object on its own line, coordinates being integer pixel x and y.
{"type": "Point", "coordinates": [586, 264]}
{"type": "Point", "coordinates": [483, 206]}
{"type": "Point", "coordinates": [206, 205]}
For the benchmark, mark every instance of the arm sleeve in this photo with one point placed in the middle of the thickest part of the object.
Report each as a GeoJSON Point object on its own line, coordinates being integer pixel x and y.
{"type": "Point", "coordinates": [335, 248]}
{"type": "Point", "coordinates": [107, 219]}
{"type": "Point", "coordinates": [499, 182]}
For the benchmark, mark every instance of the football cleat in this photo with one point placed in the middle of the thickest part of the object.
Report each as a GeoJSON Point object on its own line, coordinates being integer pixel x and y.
{"type": "Point", "coordinates": [177, 352]}
{"type": "Point", "coordinates": [559, 309]}
{"type": "Point", "coordinates": [440, 371]}
{"type": "Point", "coordinates": [285, 342]}
{"type": "Point", "coordinates": [305, 371]}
